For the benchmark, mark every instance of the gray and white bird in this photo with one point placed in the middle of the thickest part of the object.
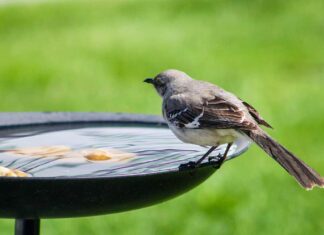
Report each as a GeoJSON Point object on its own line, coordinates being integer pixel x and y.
{"type": "Point", "coordinates": [204, 114]}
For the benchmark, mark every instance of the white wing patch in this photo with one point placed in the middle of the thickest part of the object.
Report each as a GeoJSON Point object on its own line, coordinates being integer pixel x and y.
{"type": "Point", "coordinates": [172, 116]}
{"type": "Point", "coordinates": [195, 123]}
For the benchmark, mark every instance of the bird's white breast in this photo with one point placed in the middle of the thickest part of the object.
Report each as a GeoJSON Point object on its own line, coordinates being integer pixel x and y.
{"type": "Point", "coordinates": [206, 137]}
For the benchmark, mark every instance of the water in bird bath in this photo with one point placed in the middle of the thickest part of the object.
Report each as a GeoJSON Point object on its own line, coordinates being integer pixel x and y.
{"type": "Point", "coordinates": [96, 151]}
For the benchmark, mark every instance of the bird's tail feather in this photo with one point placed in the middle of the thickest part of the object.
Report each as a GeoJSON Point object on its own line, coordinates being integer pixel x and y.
{"type": "Point", "coordinates": [306, 176]}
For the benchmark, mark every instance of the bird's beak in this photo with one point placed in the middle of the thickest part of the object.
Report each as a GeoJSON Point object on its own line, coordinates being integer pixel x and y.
{"type": "Point", "coordinates": [149, 80]}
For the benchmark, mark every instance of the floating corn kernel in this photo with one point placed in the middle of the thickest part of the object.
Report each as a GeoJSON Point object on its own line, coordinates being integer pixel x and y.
{"type": "Point", "coordinates": [111, 155]}
{"type": "Point", "coordinates": [4, 171]}
{"type": "Point", "coordinates": [97, 155]}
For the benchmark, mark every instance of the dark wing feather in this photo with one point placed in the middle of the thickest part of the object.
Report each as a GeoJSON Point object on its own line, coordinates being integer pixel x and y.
{"type": "Point", "coordinates": [214, 113]}
{"type": "Point", "coordinates": [254, 113]}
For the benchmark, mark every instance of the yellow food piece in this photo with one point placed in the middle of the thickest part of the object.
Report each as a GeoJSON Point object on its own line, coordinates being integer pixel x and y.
{"type": "Point", "coordinates": [52, 151]}
{"type": "Point", "coordinates": [20, 173]}
{"type": "Point", "coordinates": [97, 155]}
{"type": "Point", "coordinates": [4, 171]}
{"type": "Point", "coordinates": [111, 155]}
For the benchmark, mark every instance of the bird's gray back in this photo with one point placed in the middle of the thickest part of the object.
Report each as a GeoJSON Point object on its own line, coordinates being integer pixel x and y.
{"type": "Point", "coordinates": [197, 92]}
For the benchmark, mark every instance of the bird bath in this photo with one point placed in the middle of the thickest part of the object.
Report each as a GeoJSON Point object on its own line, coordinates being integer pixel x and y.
{"type": "Point", "coordinates": [93, 163]}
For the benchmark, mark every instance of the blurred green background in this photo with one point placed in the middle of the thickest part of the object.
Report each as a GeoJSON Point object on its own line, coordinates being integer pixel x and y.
{"type": "Point", "coordinates": [94, 55]}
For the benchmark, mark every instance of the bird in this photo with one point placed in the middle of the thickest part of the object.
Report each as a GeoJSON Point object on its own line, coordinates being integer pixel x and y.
{"type": "Point", "coordinates": [201, 113]}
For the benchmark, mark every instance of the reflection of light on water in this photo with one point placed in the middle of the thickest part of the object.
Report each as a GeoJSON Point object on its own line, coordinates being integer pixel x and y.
{"type": "Point", "coordinates": [152, 150]}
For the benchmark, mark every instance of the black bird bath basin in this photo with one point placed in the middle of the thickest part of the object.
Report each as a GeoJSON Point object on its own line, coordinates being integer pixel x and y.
{"type": "Point", "coordinates": [83, 164]}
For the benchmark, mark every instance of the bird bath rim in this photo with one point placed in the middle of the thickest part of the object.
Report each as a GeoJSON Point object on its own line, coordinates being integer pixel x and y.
{"type": "Point", "coordinates": [19, 120]}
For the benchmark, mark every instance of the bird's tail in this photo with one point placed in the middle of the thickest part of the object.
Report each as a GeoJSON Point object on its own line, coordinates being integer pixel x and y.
{"type": "Point", "coordinates": [306, 176]}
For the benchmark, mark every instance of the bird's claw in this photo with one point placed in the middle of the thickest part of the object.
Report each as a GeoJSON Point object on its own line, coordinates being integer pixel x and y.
{"type": "Point", "coordinates": [217, 161]}
{"type": "Point", "coordinates": [217, 158]}
{"type": "Point", "coordinates": [188, 166]}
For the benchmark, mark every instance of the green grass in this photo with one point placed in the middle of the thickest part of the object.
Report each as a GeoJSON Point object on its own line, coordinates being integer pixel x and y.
{"type": "Point", "coordinates": [93, 56]}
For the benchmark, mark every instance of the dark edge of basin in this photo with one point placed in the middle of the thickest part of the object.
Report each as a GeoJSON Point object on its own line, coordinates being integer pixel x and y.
{"type": "Point", "coordinates": [43, 198]}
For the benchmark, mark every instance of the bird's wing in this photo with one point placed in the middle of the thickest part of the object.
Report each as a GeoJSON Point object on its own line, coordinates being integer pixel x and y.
{"type": "Point", "coordinates": [214, 112]}
{"type": "Point", "coordinates": [254, 113]}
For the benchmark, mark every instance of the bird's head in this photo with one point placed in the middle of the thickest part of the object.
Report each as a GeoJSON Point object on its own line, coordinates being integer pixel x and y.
{"type": "Point", "coordinates": [169, 82]}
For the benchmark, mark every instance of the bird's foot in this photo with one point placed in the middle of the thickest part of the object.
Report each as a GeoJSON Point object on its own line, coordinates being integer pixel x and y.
{"type": "Point", "coordinates": [215, 158]}
{"type": "Point", "coordinates": [217, 161]}
{"type": "Point", "coordinates": [188, 166]}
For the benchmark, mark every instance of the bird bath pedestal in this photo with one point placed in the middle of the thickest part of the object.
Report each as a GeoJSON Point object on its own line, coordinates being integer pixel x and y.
{"type": "Point", "coordinates": [56, 189]}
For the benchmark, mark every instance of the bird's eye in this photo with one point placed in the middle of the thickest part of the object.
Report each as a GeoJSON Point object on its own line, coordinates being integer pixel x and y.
{"type": "Point", "coordinates": [159, 83]}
